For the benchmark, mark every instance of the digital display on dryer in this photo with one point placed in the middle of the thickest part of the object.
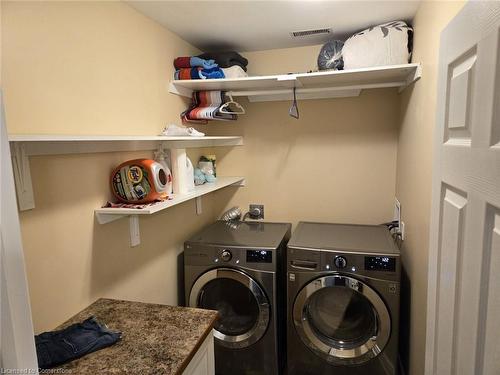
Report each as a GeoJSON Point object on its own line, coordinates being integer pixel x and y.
{"type": "Point", "coordinates": [259, 256]}
{"type": "Point", "coordinates": [380, 264]}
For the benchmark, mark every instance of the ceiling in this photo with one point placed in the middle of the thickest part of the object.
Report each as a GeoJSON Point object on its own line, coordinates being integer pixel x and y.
{"type": "Point", "coordinates": [261, 25]}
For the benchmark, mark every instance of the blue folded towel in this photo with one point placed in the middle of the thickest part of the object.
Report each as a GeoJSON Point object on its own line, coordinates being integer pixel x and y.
{"type": "Point", "coordinates": [211, 73]}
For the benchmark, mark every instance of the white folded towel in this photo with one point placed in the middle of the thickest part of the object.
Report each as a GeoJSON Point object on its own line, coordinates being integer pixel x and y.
{"type": "Point", "coordinates": [176, 130]}
{"type": "Point", "coordinates": [234, 71]}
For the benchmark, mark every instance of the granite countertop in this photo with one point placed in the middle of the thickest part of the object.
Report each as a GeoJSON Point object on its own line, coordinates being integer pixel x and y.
{"type": "Point", "coordinates": [156, 339]}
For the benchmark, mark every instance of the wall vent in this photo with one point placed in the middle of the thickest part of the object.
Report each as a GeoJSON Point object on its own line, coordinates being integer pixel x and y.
{"type": "Point", "coordinates": [304, 33]}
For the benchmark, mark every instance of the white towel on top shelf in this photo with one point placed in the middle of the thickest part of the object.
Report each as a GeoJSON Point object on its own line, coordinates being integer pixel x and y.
{"type": "Point", "coordinates": [234, 71]}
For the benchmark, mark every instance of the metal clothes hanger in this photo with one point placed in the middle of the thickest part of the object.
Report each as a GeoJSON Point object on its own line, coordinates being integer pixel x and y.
{"type": "Point", "coordinates": [225, 108]}
{"type": "Point", "coordinates": [294, 109]}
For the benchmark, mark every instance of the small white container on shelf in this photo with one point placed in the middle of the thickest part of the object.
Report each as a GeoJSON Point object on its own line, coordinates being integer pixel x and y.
{"type": "Point", "coordinates": [182, 171]}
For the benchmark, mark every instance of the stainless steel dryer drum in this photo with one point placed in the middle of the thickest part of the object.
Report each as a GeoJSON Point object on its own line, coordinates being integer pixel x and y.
{"type": "Point", "coordinates": [343, 285]}
{"type": "Point", "coordinates": [236, 268]}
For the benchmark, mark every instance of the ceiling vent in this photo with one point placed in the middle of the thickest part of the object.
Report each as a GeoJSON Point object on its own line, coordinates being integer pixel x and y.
{"type": "Point", "coordinates": [305, 33]}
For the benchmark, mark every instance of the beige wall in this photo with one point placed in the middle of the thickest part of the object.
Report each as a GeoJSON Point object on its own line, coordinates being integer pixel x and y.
{"type": "Point", "coordinates": [281, 61]}
{"type": "Point", "coordinates": [102, 68]}
{"type": "Point", "coordinates": [87, 68]}
{"type": "Point", "coordinates": [91, 68]}
{"type": "Point", "coordinates": [336, 164]}
{"type": "Point", "coordinates": [1, 48]}
{"type": "Point", "coordinates": [414, 166]}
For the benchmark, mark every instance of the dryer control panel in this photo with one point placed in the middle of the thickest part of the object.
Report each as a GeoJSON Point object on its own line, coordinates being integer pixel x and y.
{"type": "Point", "coordinates": [259, 256]}
{"type": "Point", "coordinates": [252, 258]}
{"type": "Point", "coordinates": [380, 263]}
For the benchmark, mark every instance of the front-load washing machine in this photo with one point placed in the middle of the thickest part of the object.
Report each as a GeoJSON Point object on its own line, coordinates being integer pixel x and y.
{"type": "Point", "coordinates": [236, 268]}
{"type": "Point", "coordinates": [343, 285]}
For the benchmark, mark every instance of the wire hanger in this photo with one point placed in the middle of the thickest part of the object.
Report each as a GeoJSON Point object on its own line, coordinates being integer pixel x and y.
{"type": "Point", "coordinates": [294, 109]}
{"type": "Point", "coordinates": [226, 109]}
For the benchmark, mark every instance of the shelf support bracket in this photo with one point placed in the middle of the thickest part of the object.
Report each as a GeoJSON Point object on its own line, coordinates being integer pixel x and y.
{"type": "Point", "coordinates": [22, 176]}
{"type": "Point", "coordinates": [199, 207]}
{"type": "Point", "coordinates": [414, 77]}
{"type": "Point", "coordinates": [135, 232]}
{"type": "Point", "coordinates": [180, 90]}
{"type": "Point", "coordinates": [107, 218]}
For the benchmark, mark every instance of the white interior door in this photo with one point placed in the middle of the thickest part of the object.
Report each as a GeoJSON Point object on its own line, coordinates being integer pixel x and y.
{"type": "Point", "coordinates": [463, 319]}
{"type": "Point", "coordinates": [17, 347]}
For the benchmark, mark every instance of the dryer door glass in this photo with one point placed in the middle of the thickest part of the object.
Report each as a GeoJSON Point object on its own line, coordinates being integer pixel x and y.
{"type": "Point", "coordinates": [237, 306]}
{"type": "Point", "coordinates": [341, 319]}
{"type": "Point", "coordinates": [242, 304]}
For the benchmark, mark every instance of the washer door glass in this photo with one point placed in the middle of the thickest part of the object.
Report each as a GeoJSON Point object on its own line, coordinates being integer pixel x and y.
{"type": "Point", "coordinates": [237, 306]}
{"type": "Point", "coordinates": [341, 317]}
{"type": "Point", "coordinates": [242, 305]}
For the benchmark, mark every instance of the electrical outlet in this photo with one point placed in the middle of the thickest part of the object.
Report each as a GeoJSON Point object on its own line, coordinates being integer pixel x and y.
{"type": "Point", "coordinates": [397, 217]}
{"type": "Point", "coordinates": [397, 211]}
{"type": "Point", "coordinates": [256, 211]}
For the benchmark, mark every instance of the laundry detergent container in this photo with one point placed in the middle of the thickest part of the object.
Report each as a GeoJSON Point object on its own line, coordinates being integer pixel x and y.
{"type": "Point", "coordinates": [140, 181]}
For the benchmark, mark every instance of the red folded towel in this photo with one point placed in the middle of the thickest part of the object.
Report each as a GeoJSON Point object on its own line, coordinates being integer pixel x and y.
{"type": "Point", "coordinates": [188, 73]}
{"type": "Point", "coordinates": [182, 62]}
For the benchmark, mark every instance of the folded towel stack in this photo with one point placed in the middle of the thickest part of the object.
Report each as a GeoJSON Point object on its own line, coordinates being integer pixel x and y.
{"type": "Point", "coordinates": [196, 68]}
{"type": "Point", "coordinates": [199, 73]}
{"type": "Point", "coordinates": [205, 106]}
{"type": "Point", "coordinates": [226, 59]}
{"type": "Point", "coordinates": [211, 66]}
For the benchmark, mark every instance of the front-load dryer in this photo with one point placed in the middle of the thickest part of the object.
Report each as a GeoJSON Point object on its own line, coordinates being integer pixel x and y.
{"type": "Point", "coordinates": [343, 285]}
{"type": "Point", "coordinates": [236, 268]}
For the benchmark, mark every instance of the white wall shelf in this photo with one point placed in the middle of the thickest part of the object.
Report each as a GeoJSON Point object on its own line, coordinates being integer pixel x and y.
{"type": "Point", "coordinates": [73, 144]}
{"type": "Point", "coordinates": [107, 215]}
{"type": "Point", "coordinates": [317, 85]}
{"type": "Point", "coordinates": [24, 146]}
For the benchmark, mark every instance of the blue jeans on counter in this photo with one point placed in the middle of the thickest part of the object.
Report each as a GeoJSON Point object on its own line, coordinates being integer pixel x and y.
{"type": "Point", "coordinates": [58, 347]}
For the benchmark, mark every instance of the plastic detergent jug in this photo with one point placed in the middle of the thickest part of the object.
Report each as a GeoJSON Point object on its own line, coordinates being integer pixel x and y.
{"type": "Point", "coordinates": [161, 157]}
{"type": "Point", "coordinates": [140, 181]}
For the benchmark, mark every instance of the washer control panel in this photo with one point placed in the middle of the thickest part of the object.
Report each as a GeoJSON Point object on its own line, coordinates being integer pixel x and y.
{"type": "Point", "coordinates": [386, 266]}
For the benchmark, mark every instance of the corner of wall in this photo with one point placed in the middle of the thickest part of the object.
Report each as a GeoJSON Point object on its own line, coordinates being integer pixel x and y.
{"type": "Point", "coordinates": [414, 176]}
